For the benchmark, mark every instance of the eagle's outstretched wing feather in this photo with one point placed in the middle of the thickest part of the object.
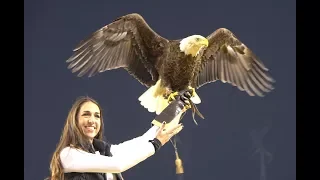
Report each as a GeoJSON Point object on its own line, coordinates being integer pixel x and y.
{"type": "Point", "coordinates": [127, 42]}
{"type": "Point", "coordinates": [227, 59]}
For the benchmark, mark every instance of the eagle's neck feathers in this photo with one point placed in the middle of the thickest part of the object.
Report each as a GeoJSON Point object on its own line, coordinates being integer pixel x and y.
{"type": "Point", "coordinates": [189, 49]}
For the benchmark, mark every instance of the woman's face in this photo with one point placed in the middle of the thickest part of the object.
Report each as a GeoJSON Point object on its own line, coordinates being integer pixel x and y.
{"type": "Point", "coordinates": [89, 119]}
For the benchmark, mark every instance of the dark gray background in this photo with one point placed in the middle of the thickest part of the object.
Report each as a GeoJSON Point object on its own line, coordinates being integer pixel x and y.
{"type": "Point", "coordinates": [220, 148]}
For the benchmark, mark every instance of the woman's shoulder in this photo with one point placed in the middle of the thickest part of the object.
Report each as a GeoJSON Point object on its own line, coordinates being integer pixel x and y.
{"type": "Point", "coordinates": [69, 150]}
{"type": "Point", "coordinates": [69, 147]}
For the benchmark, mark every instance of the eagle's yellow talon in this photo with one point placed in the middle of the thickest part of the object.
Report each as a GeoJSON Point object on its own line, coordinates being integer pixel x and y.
{"type": "Point", "coordinates": [172, 96]}
{"type": "Point", "coordinates": [193, 91]}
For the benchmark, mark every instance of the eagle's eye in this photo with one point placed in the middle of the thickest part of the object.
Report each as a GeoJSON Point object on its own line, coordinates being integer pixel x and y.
{"type": "Point", "coordinates": [197, 39]}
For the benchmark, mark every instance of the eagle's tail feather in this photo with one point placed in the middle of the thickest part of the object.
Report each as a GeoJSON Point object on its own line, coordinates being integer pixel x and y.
{"type": "Point", "coordinates": [162, 103]}
{"type": "Point", "coordinates": [153, 99]}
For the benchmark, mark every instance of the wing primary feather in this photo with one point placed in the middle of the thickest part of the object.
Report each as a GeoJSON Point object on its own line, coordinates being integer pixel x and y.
{"type": "Point", "coordinates": [99, 57]}
{"type": "Point", "coordinates": [86, 66]}
{"type": "Point", "coordinates": [235, 81]}
{"type": "Point", "coordinates": [104, 59]}
{"type": "Point", "coordinates": [87, 41]}
{"type": "Point", "coordinates": [80, 59]}
{"type": "Point", "coordinates": [75, 56]}
{"type": "Point", "coordinates": [232, 80]}
{"type": "Point", "coordinates": [257, 82]}
{"type": "Point", "coordinates": [97, 60]}
{"type": "Point", "coordinates": [203, 76]}
{"type": "Point", "coordinates": [97, 46]}
{"type": "Point", "coordinates": [92, 65]}
{"type": "Point", "coordinates": [96, 65]}
{"type": "Point", "coordinates": [79, 63]}
{"type": "Point", "coordinates": [121, 53]}
{"type": "Point", "coordinates": [219, 70]}
{"type": "Point", "coordinates": [218, 74]}
{"type": "Point", "coordinates": [79, 66]}
{"type": "Point", "coordinates": [243, 76]}
{"type": "Point", "coordinates": [257, 61]}
{"type": "Point", "coordinates": [241, 73]}
{"type": "Point", "coordinates": [260, 64]}
{"type": "Point", "coordinates": [236, 77]}
{"type": "Point", "coordinates": [110, 58]}
{"type": "Point", "coordinates": [251, 81]}
{"type": "Point", "coordinates": [215, 72]}
{"type": "Point", "coordinates": [227, 72]}
{"type": "Point", "coordinates": [268, 78]}
{"type": "Point", "coordinates": [116, 55]}
{"type": "Point", "coordinates": [74, 59]}
{"type": "Point", "coordinates": [94, 68]}
{"type": "Point", "coordinates": [99, 50]}
{"type": "Point", "coordinates": [125, 58]}
{"type": "Point", "coordinates": [267, 87]}
{"type": "Point", "coordinates": [210, 76]}
{"type": "Point", "coordinates": [222, 75]}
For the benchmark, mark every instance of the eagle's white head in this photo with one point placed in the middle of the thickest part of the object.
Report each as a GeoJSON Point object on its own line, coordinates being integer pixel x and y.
{"type": "Point", "coordinates": [193, 44]}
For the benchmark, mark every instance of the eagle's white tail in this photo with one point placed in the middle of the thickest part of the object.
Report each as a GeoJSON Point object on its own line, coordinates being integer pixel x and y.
{"type": "Point", "coordinates": [153, 100]}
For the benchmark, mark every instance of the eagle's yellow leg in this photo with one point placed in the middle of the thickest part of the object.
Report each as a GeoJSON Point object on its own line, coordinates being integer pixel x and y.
{"type": "Point", "coordinates": [171, 98]}
{"type": "Point", "coordinates": [172, 95]}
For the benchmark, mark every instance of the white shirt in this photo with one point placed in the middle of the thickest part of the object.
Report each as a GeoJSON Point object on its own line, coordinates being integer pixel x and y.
{"type": "Point", "coordinates": [124, 156]}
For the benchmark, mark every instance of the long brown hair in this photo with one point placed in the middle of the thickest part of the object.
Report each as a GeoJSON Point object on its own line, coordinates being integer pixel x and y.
{"type": "Point", "coordinates": [72, 135]}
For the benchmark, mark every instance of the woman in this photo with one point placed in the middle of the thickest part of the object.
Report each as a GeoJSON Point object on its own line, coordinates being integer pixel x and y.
{"type": "Point", "coordinates": [82, 153]}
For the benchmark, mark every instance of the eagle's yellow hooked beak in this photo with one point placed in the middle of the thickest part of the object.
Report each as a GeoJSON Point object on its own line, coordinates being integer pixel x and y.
{"type": "Point", "coordinates": [204, 42]}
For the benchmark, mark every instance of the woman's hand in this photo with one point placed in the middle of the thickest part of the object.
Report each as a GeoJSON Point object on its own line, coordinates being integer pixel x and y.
{"type": "Point", "coordinates": [165, 134]}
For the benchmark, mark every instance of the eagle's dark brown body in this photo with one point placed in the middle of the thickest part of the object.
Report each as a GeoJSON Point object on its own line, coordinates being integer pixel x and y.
{"type": "Point", "coordinates": [178, 70]}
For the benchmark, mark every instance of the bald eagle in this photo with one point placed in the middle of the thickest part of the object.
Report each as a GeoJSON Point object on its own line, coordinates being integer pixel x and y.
{"type": "Point", "coordinates": [165, 66]}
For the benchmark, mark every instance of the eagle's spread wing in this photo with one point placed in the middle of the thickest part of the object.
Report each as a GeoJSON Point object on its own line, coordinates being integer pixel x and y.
{"type": "Point", "coordinates": [127, 42]}
{"type": "Point", "coordinates": [229, 60]}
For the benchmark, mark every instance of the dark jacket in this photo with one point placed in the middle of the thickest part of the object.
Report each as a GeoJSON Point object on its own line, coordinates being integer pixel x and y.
{"type": "Point", "coordinates": [104, 149]}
